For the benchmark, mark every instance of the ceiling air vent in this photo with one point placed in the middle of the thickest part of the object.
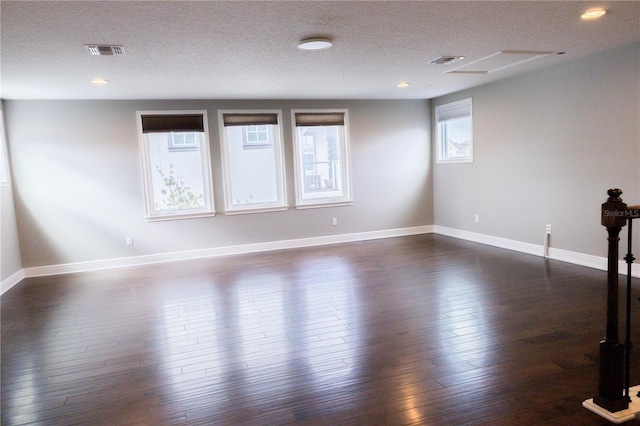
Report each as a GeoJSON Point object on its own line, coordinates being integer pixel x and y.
{"type": "Point", "coordinates": [104, 50]}
{"type": "Point", "coordinates": [499, 61]}
{"type": "Point", "coordinates": [442, 60]}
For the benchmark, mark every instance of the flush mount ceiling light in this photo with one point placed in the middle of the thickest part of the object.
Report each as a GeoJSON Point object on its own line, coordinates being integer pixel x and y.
{"type": "Point", "coordinates": [403, 84]}
{"type": "Point", "coordinates": [317, 43]}
{"type": "Point", "coordinates": [593, 14]}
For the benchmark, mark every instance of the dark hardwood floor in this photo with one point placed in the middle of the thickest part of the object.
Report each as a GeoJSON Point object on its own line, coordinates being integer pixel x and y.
{"type": "Point", "coordinates": [414, 330]}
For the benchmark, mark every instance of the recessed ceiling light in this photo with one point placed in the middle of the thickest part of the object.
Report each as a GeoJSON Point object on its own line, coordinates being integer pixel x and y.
{"type": "Point", "coordinates": [318, 43]}
{"type": "Point", "coordinates": [593, 14]}
{"type": "Point", "coordinates": [403, 84]}
{"type": "Point", "coordinates": [99, 81]}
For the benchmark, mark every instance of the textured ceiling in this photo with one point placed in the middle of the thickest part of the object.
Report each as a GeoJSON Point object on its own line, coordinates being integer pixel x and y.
{"type": "Point", "coordinates": [248, 50]}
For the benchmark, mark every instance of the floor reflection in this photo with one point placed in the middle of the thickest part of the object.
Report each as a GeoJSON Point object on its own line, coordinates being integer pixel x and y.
{"type": "Point", "coordinates": [396, 331]}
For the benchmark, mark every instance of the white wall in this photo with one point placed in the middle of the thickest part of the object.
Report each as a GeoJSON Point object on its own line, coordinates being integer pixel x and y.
{"type": "Point", "coordinates": [547, 147]}
{"type": "Point", "coordinates": [9, 244]}
{"type": "Point", "coordinates": [78, 191]}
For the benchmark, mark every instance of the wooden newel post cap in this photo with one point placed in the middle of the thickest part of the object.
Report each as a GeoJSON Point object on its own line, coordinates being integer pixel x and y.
{"type": "Point", "coordinates": [614, 211]}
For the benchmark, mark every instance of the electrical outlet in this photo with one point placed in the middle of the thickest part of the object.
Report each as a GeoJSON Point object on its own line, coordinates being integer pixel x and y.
{"type": "Point", "coordinates": [548, 229]}
{"type": "Point", "coordinates": [334, 221]}
{"type": "Point", "coordinates": [129, 241]}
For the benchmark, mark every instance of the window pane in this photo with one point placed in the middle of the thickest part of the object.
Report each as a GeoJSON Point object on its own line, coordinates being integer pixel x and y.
{"type": "Point", "coordinates": [190, 138]}
{"type": "Point", "coordinates": [321, 161]}
{"type": "Point", "coordinates": [254, 177]}
{"type": "Point", "coordinates": [457, 135]}
{"type": "Point", "coordinates": [176, 176]}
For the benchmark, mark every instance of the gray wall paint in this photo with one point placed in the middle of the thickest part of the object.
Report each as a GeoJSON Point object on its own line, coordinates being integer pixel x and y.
{"type": "Point", "coordinates": [547, 147]}
{"type": "Point", "coordinates": [9, 243]}
{"type": "Point", "coordinates": [78, 191]}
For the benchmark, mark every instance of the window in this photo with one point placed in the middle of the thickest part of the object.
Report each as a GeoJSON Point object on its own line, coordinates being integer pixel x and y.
{"type": "Point", "coordinates": [321, 157]}
{"type": "Point", "coordinates": [184, 141]}
{"type": "Point", "coordinates": [174, 146]}
{"type": "Point", "coordinates": [4, 161]}
{"type": "Point", "coordinates": [252, 160]}
{"type": "Point", "coordinates": [257, 137]}
{"type": "Point", "coordinates": [454, 132]}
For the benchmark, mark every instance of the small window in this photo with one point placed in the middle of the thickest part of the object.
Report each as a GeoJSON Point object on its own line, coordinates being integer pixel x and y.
{"type": "Point", "coordinates": [252, 160]}
{"type": "Point", "coordinates": [257, 136]}
{"type": "Point", "coordinates": [174, 146]}
{"type": "Point", "coordinates": [321, 152]}
{"type": "Point", "coordinates": [454, 132]}
{"type": "Point", "coordinates": [184, 141]}
{"type": "Point", "coordinates": [4, 161]}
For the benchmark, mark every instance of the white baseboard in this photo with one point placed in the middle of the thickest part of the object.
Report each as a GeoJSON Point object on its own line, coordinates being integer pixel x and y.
{"type": "Point", "coordinates": [581, 259]}
{"type": "Point", "coordinates": [67, 268]}
{"type": "Point", "coordinates": [590, 261]}
{"type": "Point", "coordinates": [596, 262]}
{"type": "Point", "coordinates": [12, 280]}
{"type": "Point", "coordinates": [491, 240]}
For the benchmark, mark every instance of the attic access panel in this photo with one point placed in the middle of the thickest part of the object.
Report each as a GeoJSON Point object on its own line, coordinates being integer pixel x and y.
{"type": "Point", "coordinates": [499, 61]}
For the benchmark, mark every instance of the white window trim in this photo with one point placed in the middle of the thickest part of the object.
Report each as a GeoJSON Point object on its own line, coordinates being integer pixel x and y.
{"type": "Point", "coordinates": [326, 201]}
{"type": "Point", "coordinates": [441, 158]}
{"type": "Point", "coordinates": [147, 170]}
{"type": "Point", "coordinates": [226, 168]}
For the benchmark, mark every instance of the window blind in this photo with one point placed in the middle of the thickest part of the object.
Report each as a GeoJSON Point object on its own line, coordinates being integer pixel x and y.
{"type": "Point", "coordinates": [239, 119]}
{"type": "Point", "coordinates": [454, 111]}
{"type": "Point", "coordinates": [163, 123]}
{"type": "Point", "coordinates": [320, 119]}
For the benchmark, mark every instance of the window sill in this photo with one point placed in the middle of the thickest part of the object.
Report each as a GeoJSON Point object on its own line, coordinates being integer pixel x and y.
{"type": "Point", "coordinates": [255, 210]}
{"type": "Point", "coordinates": [455, 161]}
{"type": "Point", "coordinates": [319, 205]}
{"type": "Point", "coordinates": [179, 216]}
